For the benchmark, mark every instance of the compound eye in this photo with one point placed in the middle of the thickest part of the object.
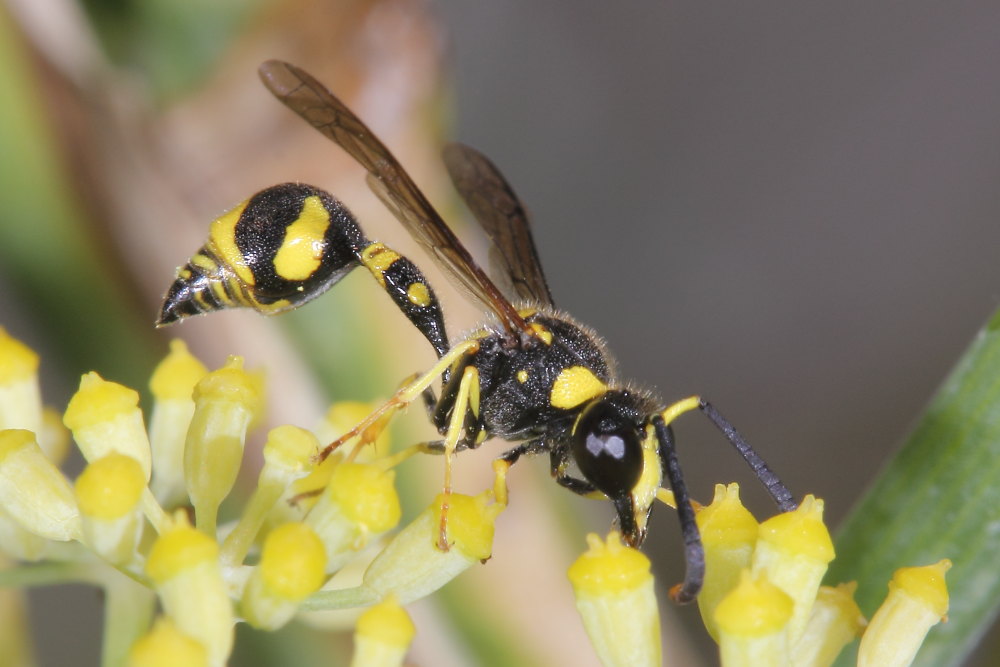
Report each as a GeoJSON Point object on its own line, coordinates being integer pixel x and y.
{"type": "Point", "coordinates": [607, 449]}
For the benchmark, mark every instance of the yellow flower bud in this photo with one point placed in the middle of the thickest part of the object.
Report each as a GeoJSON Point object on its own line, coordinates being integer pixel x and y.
{"type": "Point", "coordinates": [753, 623]}
{"type": "Point", "coordinates": [917, 601]}
{"type": "Point", "coordinates": [172, 385]}
{"type": "Point", "coordinates": [288, 455]}
{"type": "Point", "coordinates": [183, 565]}
{"type": "Point", "coordinates": [359, 502]}
{"type": "Point", "coordinates": [105, 417]}
{"type": "Point", "coordinates": [615, 598]}
{"type": "Point", "coordinates": [411, 566]}
{"type": "Point", "coordinates": [54, 437]}
{"type": "Point", "coordinates": [835, 620]}
{"type": "Point", "coordinates": [226, 402]}
{"type": "Point", "coordinates": [20, 397]}
{"type": "Point", "coordinates": [33, 492]}
{"type": "Point", "coordinates": [728, 534]}
{"type": "Point", "coordinates": [793, 551]}
{"type": "Point", "coordinates": [166, 646]}
{"type": "Point", "coordinates": [109, 492]}
{"type": "Point", "coordinates": [292, 567]}
{"type": "Point", "coordinates": [382, 636]}
{"type": "Point", "coordinates": [18, 542]}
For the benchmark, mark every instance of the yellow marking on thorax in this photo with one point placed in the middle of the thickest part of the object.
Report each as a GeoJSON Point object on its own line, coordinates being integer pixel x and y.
{"type": "Point", "coordinates": [525, 313]}
{"type": "Point", "coordinates": [522, 376]}
{"type": "Point", "coordinates": [301, 250]}
{"type": "Point", "coordinates": [378, 258]}
{"type": "Point", "coordinates": [222, 241]}
{"type": "Point", "coordinates": [418, 294]}
{"type": "Point", "coordinates": [573, 386]}
{"type": "Point", "coordinates": [542, 333]}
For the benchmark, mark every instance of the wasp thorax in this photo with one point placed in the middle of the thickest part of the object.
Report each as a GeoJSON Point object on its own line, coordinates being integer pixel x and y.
{"type": "Point", "coordinates": [275, 251]}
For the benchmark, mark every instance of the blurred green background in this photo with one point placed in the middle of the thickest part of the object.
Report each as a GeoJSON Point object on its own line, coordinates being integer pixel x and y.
{"type": "Point", "coordinates": [789, 209]}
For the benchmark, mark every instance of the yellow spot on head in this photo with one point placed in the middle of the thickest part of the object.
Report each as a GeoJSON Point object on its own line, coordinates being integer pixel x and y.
{"type": "Point", "coordinates": [301, 250]}
{"type": "Point", "coordinates": [222, 241]}
{"type": "Point", "coordinates": [575, 385]}
{"type": "Point", "coordinates": [378, 258]}
{"type": "Point", "coordinates": [522, 376]}
{"type": "Point", "coordinates": [418, 294]}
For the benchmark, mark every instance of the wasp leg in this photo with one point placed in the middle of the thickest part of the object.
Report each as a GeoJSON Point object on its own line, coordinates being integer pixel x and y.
{"type": "Point", "coordinates": [694, 553]}
{"type": "Point", "coordinates": [466, 400]}
{"type": "Point", "coordinates": [404, 396]}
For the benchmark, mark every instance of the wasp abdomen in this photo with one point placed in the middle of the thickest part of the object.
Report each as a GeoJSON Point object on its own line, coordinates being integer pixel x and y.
{"type": "Point", "coordinates": [289, 244]}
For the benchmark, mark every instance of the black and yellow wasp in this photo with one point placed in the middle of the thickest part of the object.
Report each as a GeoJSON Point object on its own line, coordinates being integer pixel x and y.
{"type": "Point", "coordinates": [531, 375]}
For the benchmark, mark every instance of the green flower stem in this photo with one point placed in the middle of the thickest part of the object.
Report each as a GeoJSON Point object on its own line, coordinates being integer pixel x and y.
{"type": "Point", "coordinates": [939, 498]}
{"type": "Point", "coordinates": [52, 572]}
{"type": "Point", "coordinates": [128, 613]}
{"type": "Point", "coordinates": [343, 598]}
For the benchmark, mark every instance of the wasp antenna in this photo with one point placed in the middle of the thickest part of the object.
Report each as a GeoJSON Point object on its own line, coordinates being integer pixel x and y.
{"type": "Point", "coordinates": [779, 492]}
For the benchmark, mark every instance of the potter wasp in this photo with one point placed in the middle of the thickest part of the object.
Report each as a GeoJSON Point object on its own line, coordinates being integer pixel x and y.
{"type": "Point", "coordinates": [530, 375]}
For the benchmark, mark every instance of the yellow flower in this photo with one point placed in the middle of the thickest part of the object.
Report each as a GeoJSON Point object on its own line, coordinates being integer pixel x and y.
{"type": "Point", "coordinates": [917, 601]}
{"type": "Point", "coordinates": [382, 636]}
{"type": "Point", "coordinates": [615, 597]}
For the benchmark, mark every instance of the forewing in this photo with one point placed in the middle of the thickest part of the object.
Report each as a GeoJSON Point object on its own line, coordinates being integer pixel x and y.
{"type": "Point", "coordinates": [493, 203]}
{"type": "Point", "coordinates": [304, 95]}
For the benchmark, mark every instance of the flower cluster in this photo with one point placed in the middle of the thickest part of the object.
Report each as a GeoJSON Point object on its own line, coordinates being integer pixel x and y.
{"type": "Point", "coordinates": [762, 600]}
{"type": "Point", "coordinates": [147, 503]}
{"type": "Point", "coordinates": [304, 521]}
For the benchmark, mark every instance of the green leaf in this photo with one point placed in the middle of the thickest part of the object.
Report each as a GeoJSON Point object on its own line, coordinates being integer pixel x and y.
{"type": "Point", "coordinates": [939, 498]}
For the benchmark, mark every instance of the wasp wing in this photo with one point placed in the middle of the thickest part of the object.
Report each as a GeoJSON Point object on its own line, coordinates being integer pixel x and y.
{"type": "Point", "coordinates": [304, 95]}
{"type": "Point", "coordinates": [493, 203]}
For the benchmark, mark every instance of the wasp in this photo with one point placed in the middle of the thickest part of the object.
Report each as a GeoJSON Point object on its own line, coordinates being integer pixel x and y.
{"type": "Point", "coordinates": [531, 375]}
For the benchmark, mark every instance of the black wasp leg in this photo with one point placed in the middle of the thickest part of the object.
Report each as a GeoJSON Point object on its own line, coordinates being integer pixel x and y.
{"type": "Point", "coordinates": [694, 553]}
{"type": "Point", "coordinates": [782, 496]}
{"type": "Point", "coordinates": [558, 462]}
{"type": "Point", "coordinates": [438, 447]}
{"type": "Point", "coordinates": [529, 448]}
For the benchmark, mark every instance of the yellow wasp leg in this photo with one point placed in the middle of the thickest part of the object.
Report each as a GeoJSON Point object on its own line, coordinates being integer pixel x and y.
{"type": "Point", "coordinates": [403, 396]}
{"type": "Point", "coordinates": [466, 399]}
